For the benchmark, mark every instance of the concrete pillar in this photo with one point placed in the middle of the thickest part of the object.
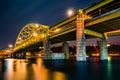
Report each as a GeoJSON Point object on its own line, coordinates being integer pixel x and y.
{"type": "Point", "coordinates": [65, 49]}
{"type": "Point", "coordinates": [80, 37]}
{"type": "Point", "coordinates": [103, 49]}
{"type": "Point", "coordinates": [47, 49]}
{"type": "Point", "coordinates": [48, 45]}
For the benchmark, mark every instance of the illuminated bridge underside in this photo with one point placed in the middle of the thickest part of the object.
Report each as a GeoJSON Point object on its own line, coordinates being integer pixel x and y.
{"type": "Point", "coordinates": [93, 28]}
{"type": "Point", "coordinates": [71, 35]}
{"type": "Point", "coordinates": [104, 24]}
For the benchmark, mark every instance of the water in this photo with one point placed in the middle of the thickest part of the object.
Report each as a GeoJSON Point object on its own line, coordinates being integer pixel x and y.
{"type": "Point", "coordinates": [37, 69]}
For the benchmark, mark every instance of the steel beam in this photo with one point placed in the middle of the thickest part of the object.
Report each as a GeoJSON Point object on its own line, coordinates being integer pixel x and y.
{"type": "Point", "coordinates": [97, 6]}
{"type": "Point", "coordinates": [112, 33]}
{"type": "Point", "coordinates": [103, 18]}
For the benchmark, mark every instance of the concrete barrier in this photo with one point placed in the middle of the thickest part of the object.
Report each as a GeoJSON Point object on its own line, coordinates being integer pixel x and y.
{"type": "Point", "coordinates": [58, 56]}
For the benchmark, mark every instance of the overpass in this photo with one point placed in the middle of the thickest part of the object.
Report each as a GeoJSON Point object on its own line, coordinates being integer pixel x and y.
{"type": "Point", "coordinates": [96, 21]}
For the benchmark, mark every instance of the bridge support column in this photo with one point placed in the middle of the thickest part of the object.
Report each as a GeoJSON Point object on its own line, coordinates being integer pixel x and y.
{"type": "Point", "coordinates": [103, 49]}
{"type": "Point", "coordinates": [80, 37]}
{"type": "Point", "coordinates": [65, 49]}
{"type": "Point", "coordinates": [47, 50]}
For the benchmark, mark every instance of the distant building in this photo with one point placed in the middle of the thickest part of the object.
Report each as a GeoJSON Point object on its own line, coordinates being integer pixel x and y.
{"type": "Point", "coordinates": [6, 51]}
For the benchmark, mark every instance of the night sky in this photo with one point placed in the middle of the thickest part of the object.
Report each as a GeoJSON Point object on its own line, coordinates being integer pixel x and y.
{"type": "Point", "coordinates": [15, 14]}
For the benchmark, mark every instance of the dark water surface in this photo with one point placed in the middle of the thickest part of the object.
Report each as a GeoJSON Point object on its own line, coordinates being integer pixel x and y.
{"type": "Point", "coordinates": [37, 69]}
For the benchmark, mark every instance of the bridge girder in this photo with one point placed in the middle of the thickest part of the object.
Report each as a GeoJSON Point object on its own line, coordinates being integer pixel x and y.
{"type": "Point", "coordinates": [105, 17]}
{"type": "Point", "coordinates": [112, 33]}
{"type": "Point", "coordinates": [86, 31]}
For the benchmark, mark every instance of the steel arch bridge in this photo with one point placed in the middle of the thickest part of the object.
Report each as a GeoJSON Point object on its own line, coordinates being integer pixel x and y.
{"type": "Point", "coordinates": [30, 34]}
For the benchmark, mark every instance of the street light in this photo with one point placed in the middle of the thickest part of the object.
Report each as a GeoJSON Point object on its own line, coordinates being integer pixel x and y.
{"type": "Point", "coordinates": [108, 45]}
{"type": "Point", "coordinates": [57, 30]}
{"type": "Point", "coordinates": [37, 25]}
{"type": "Point", "coordinates": [10, 46]}
{"type": "Point", "coordinates": [35, 34]}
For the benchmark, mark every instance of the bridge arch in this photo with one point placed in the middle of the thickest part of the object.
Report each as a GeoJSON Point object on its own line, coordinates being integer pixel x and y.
{"type": "Point", "coordinates": [28, 33]}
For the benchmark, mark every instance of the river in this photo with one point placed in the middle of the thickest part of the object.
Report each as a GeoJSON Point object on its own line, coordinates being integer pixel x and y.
{"type": "Point", "coordinates": [39, 69]}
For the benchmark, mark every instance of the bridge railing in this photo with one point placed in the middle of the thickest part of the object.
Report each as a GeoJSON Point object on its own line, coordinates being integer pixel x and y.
{"type": "Point", "coordinates": [105, 14]}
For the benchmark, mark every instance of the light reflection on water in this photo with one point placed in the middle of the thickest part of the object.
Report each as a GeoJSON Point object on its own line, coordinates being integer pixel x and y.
{"type": "Point", "coordinates": [16, 69]}
{"type": "Point", "coordinates": [37, 69]}
{"type": "Point", "coordinates": [23, 69]}
{"type": "Point", "coordinates": [109, 71]}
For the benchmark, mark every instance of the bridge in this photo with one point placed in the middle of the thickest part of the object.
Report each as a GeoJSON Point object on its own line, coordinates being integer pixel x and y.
{"type": "Point", "coordinates": [100, 20]}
